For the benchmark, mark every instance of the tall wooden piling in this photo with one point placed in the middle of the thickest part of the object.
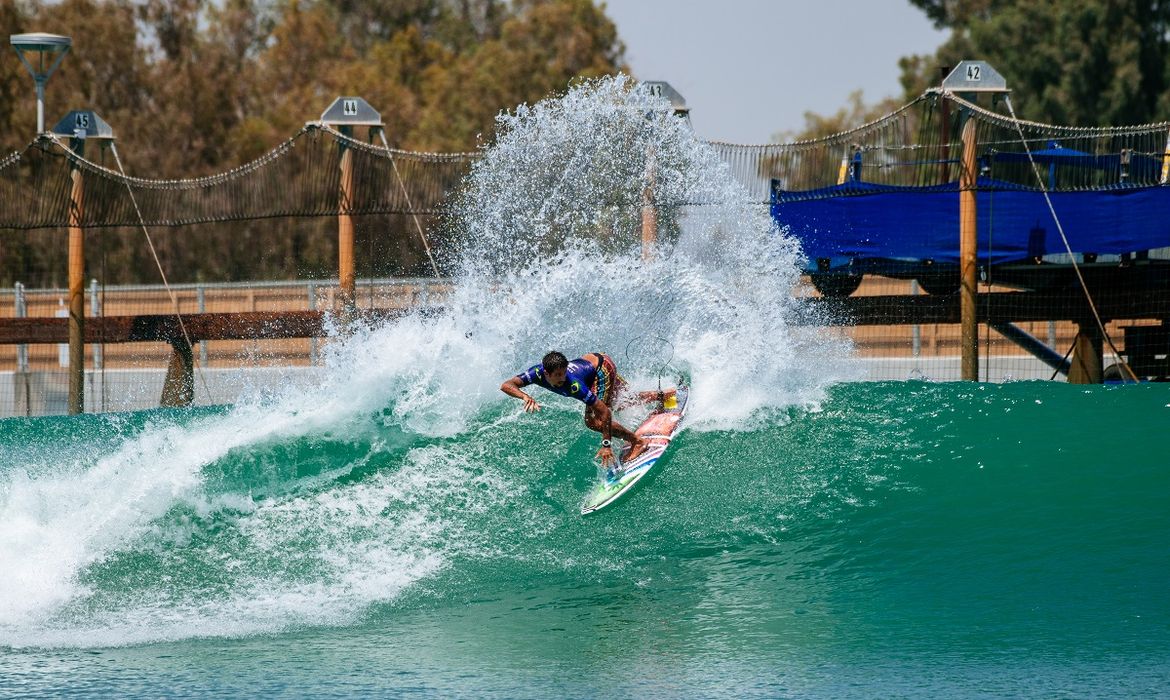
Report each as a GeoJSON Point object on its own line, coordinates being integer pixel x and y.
{"type": "Point", "coordinates": [968, 79]}
{"type": "Point", "coordinates": [347, 114]}
{"type": "Point", "coordinates": [80, 127]}
{"type": "Point", "coordinates": [660, 90]}
{"type": "Point", "coordinates": [969, 327]}
{"type": "Point", "coordinates": [76, 400]}
{"type": "Point", "coordinates": [345, 274]}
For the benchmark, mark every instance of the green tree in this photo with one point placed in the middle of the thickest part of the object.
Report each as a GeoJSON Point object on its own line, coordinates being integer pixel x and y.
{"type": "Point", "coordinates": [1073, 62]}
{"type": "Point", "coordinates": [15, 87]}
{"type": "Point", "coordinates": [539, 50]}
{"type": "Point", "coordinates": [110, 77]}
{"type": "Point", "coordinates": [1082, 63]}
{"type": "Point", "coordinates": [852, 115]}
{"type": "Point", "coordinates": [193, 87]}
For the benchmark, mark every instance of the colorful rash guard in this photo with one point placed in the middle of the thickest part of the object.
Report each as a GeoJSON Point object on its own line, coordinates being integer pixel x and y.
{"type": "Point", "coordinates": [580, 376]}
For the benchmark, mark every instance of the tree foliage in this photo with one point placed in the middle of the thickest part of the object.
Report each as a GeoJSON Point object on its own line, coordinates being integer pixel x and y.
{"type": "Point", "coordinates": [1073, 62]}
{"type": "Point", "coordinates": [193, 87]}
{"type": "Point", "coordinates": [1070, 62]}
{"type": "Point", "coordinates": [854, 114]}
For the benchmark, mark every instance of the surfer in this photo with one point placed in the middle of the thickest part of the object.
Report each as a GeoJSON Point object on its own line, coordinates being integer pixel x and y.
{"type": "Point", "coordinates": [593, 380]}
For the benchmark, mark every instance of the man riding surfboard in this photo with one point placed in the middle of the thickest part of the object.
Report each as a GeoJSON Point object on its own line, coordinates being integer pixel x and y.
{"type": "Point", "coordinates": [591, 379]}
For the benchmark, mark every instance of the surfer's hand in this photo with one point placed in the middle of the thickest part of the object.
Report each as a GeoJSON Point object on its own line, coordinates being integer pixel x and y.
{"type": "Point", "coordinates": [606, 455]}
{"type": "Point", "coordinates": [530, 405]}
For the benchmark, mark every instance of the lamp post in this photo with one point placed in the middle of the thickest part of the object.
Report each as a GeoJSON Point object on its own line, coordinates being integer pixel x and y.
{"type": "Point", "coordinates": [50, 50]}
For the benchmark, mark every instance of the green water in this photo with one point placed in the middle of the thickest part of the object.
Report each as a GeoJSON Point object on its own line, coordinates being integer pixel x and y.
{"type": "Point", "coordinates": [898, 539]}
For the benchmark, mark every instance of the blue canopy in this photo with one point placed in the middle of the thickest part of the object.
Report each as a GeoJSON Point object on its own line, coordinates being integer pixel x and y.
{"type": "Point", "coordinates": [867, 220]}
{"type": "Point", "coordinates": [1139, 166]}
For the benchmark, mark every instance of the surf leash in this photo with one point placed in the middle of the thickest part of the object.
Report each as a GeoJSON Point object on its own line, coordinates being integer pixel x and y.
{"type": "Point", "coordinates": [661, 368]}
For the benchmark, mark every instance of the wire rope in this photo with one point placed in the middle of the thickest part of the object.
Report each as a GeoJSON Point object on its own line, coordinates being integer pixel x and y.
{"type": "Point", "coordinates": [1125, 368]}
{"type": "Point", "coordinates": [162, 273]}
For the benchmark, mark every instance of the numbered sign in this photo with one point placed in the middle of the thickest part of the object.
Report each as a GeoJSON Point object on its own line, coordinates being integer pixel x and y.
{"type": "Point", "coordinates": [659, 89]}
{"type": "Point", "coordinates": [974, 76]}
{"type": "Point", "coordinates": [83, 124]}
{"type": "Point", "coordinates": [351, 111]}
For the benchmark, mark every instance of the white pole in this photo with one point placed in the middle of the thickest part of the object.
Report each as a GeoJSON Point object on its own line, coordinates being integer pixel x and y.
{"type": "Point", "coordinates": [40, 106]}
{"type": "Point", "coordinates": [95, 309]}
{"type": "Point", "coordinates": [200, 294]}
{"type": "Point", "coordinates": [312, 341]}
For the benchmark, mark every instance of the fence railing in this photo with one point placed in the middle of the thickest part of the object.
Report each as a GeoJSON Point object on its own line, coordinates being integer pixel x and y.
{"type": "Point", "coordinates": [130, 370]}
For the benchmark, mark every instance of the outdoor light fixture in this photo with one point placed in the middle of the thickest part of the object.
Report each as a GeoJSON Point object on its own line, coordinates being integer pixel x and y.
{"type": "Point", "coordinates": [50, 50]}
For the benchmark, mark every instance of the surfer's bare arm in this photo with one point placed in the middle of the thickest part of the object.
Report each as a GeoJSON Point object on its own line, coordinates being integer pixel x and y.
{"type": "Point", "coordinates": [511, 387]}
{"type": "Point", "coordinates": [604, 421]}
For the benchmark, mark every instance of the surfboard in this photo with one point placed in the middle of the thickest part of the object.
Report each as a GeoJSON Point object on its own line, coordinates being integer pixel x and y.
{"type": "Point", "coordinates": [658, 430]}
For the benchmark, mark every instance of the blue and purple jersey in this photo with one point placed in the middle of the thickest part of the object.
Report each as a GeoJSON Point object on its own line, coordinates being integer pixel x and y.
{"type": "Point", "coordinates": [580, 377]}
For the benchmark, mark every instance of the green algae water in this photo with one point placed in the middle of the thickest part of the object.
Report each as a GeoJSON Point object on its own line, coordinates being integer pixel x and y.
{"type": "Point", "coordinates": [899, 539]}
{"type": "Point", "coordinates": [400, 528]}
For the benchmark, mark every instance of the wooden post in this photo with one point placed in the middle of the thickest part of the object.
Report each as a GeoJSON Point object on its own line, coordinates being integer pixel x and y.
{"type": "Point", "coordinates": [969, 327]}
{"type": "Point", "coordinates": [1088, 355]}
{"type": "Point", "coordinates": [179, 387]}
{"type": "Point", "coordinates": [345, 229]}
{"type": "Point", "coordinates": [345, 115]}
{"type": "Point", "coordinates": [649, 212]}
{"type": "Point", "coordinates": [76, 401]}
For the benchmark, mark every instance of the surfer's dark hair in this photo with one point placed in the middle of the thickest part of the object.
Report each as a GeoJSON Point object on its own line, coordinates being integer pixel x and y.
{"type": "Point", "coordinates": [554, 361]}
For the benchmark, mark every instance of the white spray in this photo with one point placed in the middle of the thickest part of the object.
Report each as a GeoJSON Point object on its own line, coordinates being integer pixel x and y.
{"type": "Point", "coordinates": [548, 256]}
